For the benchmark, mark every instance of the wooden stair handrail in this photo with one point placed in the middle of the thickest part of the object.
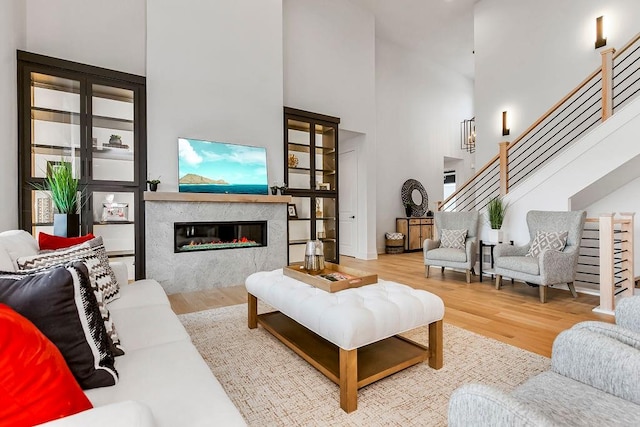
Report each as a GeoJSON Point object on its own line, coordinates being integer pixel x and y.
{"type": "Point", "coordinates": [627, 46]}
{"type": "Point", "coordinates": [470, 180]}
{"type": "Point", "coordinates": [555, 107]}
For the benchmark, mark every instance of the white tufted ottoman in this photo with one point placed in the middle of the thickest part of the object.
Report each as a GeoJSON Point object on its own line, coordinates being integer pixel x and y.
{"type": "Point", "coordinates": [350, 336]}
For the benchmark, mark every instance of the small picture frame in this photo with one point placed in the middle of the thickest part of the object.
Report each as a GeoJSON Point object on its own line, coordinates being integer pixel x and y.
{"type": "Point", "coordinates": [53, 165]}
{"type": "Point", "coordinates": [291, 211]}
{"type": "Point", "coordinates": [324, 186]}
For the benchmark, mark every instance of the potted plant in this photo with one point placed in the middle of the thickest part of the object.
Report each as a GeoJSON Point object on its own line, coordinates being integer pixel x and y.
{"type": "Point", "coordinates": [153, 184]}
{"type": "Point", "coordinates": [496, 210]}
{"type": "Point", "coordinates": [66, 194]}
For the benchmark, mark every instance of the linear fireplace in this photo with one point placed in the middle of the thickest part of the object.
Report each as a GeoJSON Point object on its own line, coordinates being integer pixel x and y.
{"type": "Point", "coordinates": [206, 236]}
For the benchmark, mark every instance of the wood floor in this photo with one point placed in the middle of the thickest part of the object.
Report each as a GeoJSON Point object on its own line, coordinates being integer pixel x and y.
{"type": "Point", "coordinates": [512, 315]}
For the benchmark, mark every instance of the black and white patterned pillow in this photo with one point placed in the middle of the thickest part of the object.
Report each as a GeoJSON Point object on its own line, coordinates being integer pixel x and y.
{"type": "Point", "coordinates": [547, 240]}
{"type": "Point", "coordinates": [60, 302]}
{"type": "Point", "coordinates": [454, 239]}
{"type": "Point", "coordinates": [99, 276]}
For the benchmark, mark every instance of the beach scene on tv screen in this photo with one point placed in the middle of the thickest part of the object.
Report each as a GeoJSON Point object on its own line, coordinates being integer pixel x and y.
{"type": "Point", "coordinates": [219, 167]}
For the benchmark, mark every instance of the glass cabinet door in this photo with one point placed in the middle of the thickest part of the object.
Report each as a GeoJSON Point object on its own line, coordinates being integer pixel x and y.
{"type": "Point", "coordinates": [55, 138]}
{"type": "Point", "coordinates": [299, 158]}
{"type": "Point", "coordinates": [112, 134]}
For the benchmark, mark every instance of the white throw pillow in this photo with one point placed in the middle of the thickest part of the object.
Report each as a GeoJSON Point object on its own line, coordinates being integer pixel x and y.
{"type": "Point", "coordinates": [454, 239]}
{"type": "Point", "coordinates": [547, 240]}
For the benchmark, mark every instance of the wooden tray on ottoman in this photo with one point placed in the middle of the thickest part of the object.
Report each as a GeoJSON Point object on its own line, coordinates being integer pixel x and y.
{"type": "Point", "coordinates": [353, 278]}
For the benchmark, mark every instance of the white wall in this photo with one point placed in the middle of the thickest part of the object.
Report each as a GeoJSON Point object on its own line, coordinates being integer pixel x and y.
{"type": "Point", "coordinates": [329, 68]}
{"type": "Point", "coordinates": [214, 72]}
{"type": "Point", "coordinates": [12, 37]}
{"type": "Point", "coordinates": [109, 34]}
{"type": "Point", "coordinates": [419, 109]}
{"type": "Point", "coordinates": [528, 55]}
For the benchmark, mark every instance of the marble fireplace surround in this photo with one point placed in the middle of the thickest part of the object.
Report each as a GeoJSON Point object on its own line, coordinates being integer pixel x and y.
{"type": "Point", "coordinates": [200, 270]}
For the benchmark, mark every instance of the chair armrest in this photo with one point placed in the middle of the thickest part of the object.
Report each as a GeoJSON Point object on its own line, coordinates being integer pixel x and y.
{"type": "Point", "coordinates": [599, 361]}
{"type": "Point", "coordinates": [479, 405]}
{"type": "Point", "coordinates": [557, 267]}
{"type": "Point", "coordinates": [617, 332]}
{"type": "Point", "coordinates": [127, 413]}
{"type": "Point", "coordinates": [121, 272]}
{"type": "Point", "coordinates": [628, 313]}
{"type": "Point", "coordinates": [429, 244]}
{"type": "Point", "coordinates": [504, 249]}
{"type": "Point", "coordinates": [470, 246]}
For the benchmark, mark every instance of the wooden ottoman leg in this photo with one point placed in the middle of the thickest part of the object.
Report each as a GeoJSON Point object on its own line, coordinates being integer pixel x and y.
{"type": "Point", "coordinates": [253, 311]}
{"type": "Point", "coordinates": [435, 345]}
{"type": "Point", "coordinates": [349, 380]}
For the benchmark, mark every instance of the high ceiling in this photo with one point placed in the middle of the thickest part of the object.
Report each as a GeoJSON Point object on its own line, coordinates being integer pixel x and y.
{"type": "Point", "coordinates": [439, 29]}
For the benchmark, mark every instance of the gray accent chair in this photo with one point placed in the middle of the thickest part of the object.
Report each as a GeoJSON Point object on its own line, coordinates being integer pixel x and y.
{"type": "Point", "coordinates": [550, 267]}
{"type": "Point", "coordinates": [593, 381]}
{"type": "Point", "coordinates": [448, 257]}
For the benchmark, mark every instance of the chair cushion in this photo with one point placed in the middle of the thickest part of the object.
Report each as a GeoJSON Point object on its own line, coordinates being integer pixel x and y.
{"type": "Point", "coordinates": [547, 240]}
{"type": "Point", "coordinates": [447, 254]}
{"type": "Point", "coordinates": [454, 239]}
{"type": "Point", "coordinates": [524, 264]}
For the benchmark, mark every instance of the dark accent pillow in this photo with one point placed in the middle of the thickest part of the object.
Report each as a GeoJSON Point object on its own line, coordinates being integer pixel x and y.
{"type": "Point", "coordinates": [61, 303]}
{"type": "Point", "coordinates": [36, 384]}
{"type": "Point", "coordinates": [50, 242]}
{"type": "Point", "coordinates": [98, 274]}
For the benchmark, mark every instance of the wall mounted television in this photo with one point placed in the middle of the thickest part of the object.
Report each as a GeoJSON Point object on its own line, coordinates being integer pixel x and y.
{"type": "Point", "coordinates": [219, 167]}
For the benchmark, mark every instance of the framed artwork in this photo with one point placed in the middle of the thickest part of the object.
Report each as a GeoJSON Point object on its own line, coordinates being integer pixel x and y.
{"type": "Point", "coordinates": [291, 211]}
{"type": "Point", "coordinates": [324, 186]}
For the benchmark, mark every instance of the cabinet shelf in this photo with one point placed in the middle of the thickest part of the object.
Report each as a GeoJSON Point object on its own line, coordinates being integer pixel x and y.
{"type": "Point", "coordinates": [113, 222]}
{"type": "Point", "coordinates": [305, 148]}
{"type": "Point", "coordinates": [58, 116]}
{"type": "Point", "coordinates": [112, 123]}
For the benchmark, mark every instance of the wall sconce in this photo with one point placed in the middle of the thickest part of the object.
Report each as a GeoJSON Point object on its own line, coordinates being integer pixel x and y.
{"type": "Point", "coordinates": [468, 135]}
{"type": "Point", "coordinates": [505, 129]}
{"type": "Point", "coordinates": [601, 40]}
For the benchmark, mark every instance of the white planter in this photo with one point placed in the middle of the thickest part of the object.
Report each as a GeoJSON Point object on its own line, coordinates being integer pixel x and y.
{"type": "Point", "coordinates": [496, 236]}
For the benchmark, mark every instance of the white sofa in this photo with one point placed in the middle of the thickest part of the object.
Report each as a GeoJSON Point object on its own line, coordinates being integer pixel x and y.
{"type": "Point", "coordinates": [163, 379]}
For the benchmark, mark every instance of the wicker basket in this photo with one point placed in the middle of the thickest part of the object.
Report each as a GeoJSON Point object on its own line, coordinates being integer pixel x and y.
{"type": "Point", "coordinates": [394, 246]}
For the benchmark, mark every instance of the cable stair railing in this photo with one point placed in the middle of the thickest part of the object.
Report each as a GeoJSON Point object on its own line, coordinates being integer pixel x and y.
{"type": "Point", "coordinates": [608, 88]}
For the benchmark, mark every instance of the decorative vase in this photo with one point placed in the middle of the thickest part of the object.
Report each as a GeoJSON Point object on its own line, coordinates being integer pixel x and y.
{"type": "Point", "coordinates": [274, 190]}
{"type": "Point", "coordinates": [408, 210]}
{"type": "Point", "coordinates": [66, 225]}
{"type": "Point", "coordinates": [496, 235]}
{"type": "Point", "coordinates": [153, 186]}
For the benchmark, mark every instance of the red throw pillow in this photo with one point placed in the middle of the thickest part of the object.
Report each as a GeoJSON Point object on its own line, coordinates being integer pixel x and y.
{"type": "Point", "coordinates": [36, 385]}
{"type": "Point", "coordinates": [47, 241]}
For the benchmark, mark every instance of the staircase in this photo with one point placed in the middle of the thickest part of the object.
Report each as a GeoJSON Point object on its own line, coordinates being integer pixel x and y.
{"type": "Point", "coordinates": [588, 135]}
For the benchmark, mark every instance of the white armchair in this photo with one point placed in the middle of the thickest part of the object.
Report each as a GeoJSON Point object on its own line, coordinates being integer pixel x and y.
{"type": "Point", "coordinates": [548, 267]}
{"type": "Point", "coordinates": [438, 253]}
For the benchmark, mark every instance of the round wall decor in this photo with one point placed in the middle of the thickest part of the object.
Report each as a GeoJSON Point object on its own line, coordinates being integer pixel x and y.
{"type": "Point", "coordinates": [414, 194]}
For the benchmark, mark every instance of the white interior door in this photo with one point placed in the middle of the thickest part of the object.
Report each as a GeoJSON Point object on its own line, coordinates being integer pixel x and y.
{"type": "Point", "coordinates": [348, 201]}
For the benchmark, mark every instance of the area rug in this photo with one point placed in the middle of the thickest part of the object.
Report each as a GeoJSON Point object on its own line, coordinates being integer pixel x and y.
{"type": "Point", "coordinates": [272, 386]}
